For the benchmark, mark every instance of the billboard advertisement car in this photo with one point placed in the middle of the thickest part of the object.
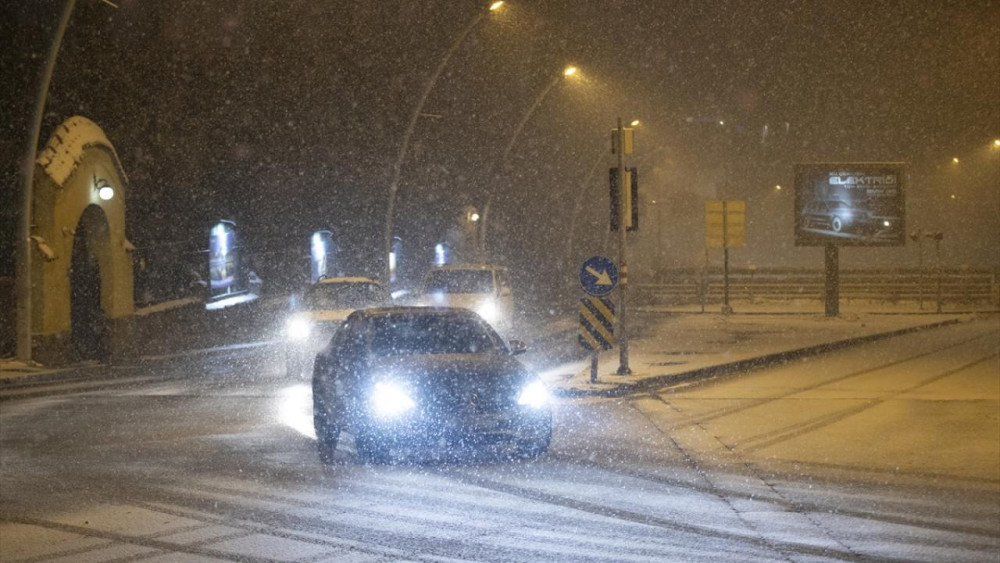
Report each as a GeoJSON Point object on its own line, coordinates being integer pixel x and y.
{"type": "Point", "coordinates": [850, 204]}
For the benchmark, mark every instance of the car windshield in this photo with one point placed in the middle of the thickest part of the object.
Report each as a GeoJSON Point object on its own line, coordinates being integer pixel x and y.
{"type": "Point", "coordinates": [344, 296]}
{"type": "Point", "coordinates": [428, 334]}
{"type": "Point", "coordinates": [460, 281]}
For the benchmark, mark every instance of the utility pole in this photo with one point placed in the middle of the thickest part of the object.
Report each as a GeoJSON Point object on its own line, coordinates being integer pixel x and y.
{"type": "Point", "coordinates": [623, 190]}
{"type": "Point", "coordinates": [937, 237]}
{"type": "Point", "coordinates": [726, 308]}
{"type": "Point", "coordinates": [918, 237]}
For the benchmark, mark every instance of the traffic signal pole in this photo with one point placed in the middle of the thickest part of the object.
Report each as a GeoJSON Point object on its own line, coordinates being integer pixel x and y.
{"type": "Point", "coordinates": [621, 333]}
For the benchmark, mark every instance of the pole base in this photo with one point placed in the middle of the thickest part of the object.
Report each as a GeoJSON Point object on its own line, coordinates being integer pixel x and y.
{"type": "Point", "coordinates": [623, 370]}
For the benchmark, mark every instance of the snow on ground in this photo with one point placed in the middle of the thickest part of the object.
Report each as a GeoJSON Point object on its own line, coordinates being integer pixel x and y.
{"type": "Point", "coordinates": [673, 341]}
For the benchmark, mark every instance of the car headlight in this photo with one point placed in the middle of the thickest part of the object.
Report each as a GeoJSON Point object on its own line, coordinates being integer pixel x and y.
{"type": "Point", "coordinates": [488, 310]}
{"type": "Point", "coordinates": [534, 395]}
{"type": "Point", "coordinates": [886, 224]}
{"type": "Point", "coordinates": [298, 328]}
{"type": "Point", "coordinates": [390, 399]}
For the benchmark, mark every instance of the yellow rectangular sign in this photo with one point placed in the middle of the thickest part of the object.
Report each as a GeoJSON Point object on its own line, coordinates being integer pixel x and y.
{"type": "Point", "coordinates": [725, 223]}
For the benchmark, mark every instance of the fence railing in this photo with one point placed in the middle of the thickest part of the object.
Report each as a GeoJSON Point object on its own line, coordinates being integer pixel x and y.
{"type": "Point", "coordinates": [957, 286]}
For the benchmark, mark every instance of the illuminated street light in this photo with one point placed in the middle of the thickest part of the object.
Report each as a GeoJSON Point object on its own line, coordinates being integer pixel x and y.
{"type": "Point", "coordinates": [22, 259]}
{"type": "Point", "coordinates": [474, 217]}
{"type": "Point", "coordinates": [996, 143]}
{"type": "Point", "coordinates": [722, 122]}
{"type": "Point", "coordinates": [568, 72]}
{"type": "Point", "coordinates": [777, 187]}
{"type": "Point", "coordinates": [954, 160]}
{"type": "Point", "coordinates": [397, 168]}
{"type": "Point", "coordinates": [105, 190]}
{"type": "Point", "coordinates": [635, 123]}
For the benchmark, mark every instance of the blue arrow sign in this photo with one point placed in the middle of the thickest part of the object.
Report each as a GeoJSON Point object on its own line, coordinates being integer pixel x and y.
{"type": "Point", "coordinates": [598, 275]}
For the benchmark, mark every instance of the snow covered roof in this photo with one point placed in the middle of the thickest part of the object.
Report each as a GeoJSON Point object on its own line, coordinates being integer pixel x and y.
{"type": "Point", "coordinates": [65, 149]}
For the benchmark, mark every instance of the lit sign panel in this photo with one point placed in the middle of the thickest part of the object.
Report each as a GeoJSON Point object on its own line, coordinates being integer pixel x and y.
{"type": "Point", "coordinates": [223, 260]}
{"type": "Point", "coordinates": [850, 204]}
{"type": "Point", "coordinates": [322, 256]}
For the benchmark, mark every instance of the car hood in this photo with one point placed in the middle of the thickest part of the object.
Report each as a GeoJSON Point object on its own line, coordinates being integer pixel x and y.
{"type": "Point", "coordinates": [451, 374]}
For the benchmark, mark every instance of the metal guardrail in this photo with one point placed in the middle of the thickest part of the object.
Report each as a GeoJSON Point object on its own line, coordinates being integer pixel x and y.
{"type": "Point", "coordinates": [957, 285]}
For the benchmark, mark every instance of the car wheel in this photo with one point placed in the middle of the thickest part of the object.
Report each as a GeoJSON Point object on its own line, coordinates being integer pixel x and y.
{"type": "Point", "coordinates": [326, 425]}
{"type": "Point", "coordinates": [536, 446]}
{"type": "Point", "coordinates": [371, 450]}
{"type": "Point", "coordinates": [533, 448]}
{"type": "Point", "coordinates": [327, 436]}
{"type": "Point", "coordinates": [836, 224]}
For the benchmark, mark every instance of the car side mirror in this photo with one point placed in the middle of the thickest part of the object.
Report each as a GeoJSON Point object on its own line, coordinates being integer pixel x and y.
{"type": "Point", "coordinates": [517, 347]}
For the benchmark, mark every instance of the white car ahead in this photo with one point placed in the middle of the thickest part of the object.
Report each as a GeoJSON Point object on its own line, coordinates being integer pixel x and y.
{"type": "Point", "coordinates": [323, 307]}
{"type": "Point", "coordinates": [483, 289]}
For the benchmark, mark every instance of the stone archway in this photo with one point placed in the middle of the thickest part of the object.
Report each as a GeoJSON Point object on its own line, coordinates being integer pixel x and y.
{"type": "Point", "coordinates": [81, 273]}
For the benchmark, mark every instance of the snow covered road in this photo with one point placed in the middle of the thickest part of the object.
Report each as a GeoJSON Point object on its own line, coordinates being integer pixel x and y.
{"type": "Point", "coordinates": [886, 451]}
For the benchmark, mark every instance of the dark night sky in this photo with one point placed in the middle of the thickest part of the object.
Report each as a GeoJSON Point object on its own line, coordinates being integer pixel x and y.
{"type": "Point", "coordinates": [287, 116]}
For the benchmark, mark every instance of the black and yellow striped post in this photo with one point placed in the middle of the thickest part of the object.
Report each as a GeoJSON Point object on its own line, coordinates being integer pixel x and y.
{"type": "Point", "coordinates": [596, 330]}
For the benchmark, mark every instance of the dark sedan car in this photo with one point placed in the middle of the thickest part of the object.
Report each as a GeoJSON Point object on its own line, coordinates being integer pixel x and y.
{"type": "Point", "coordinates": [408, 378]}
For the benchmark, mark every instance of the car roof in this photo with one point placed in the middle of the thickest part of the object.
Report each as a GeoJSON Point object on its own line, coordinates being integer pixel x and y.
{"type": "Point", "coordinates": [346, 279]}
{"type": "Point", "coordinates": [452, 267]}
{"type": "Point", "coordinates": [413, 310]}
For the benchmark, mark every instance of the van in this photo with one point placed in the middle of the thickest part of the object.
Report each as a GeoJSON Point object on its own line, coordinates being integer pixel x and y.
{"type": "Point", "coordinates": [484, 289]}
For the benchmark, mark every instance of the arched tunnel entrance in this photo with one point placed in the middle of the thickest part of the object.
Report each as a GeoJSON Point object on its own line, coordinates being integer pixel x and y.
{"type": "Point", "coordinates": [81, 268]}
{"type": "Point", "coordinates": [91, 255]}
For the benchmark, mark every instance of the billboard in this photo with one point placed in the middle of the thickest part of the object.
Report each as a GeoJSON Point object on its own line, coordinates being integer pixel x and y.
{"type": "Point", "coordinates": [850, 204]}
{"type": "Point", "coordinates": [223, 261]}
{"type": "Point", "coordinates": [322, 256]}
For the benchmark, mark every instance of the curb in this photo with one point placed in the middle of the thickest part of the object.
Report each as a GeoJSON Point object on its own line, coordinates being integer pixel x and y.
{"type": "Point", "coordinates": [69, 373]}
{"type": "Point", "coordinates": [628, 388]}
{"type": "Point", "coordinates": [79, 372]}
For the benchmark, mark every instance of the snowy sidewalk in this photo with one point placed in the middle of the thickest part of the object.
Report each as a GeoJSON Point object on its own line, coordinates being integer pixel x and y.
{"type": "Point", "coordinates": [677, 346]}
{"type": "Point", "coordinates": [14, 370]}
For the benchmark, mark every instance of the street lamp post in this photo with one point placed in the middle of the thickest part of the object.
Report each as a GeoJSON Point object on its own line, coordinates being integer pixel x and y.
{"type": "Point", "coordinates": [918, 237]}
{"type": "Point", "coordinates": [623, 189]}
{"type": "Point", "coordinates": [24, 290]}
{"type": "Point", "coordinates": [569, 71]}
{"type": "Point", "coordinates": [417, 110]}
{"type": "Point", "coordinates": [577, 203]}
{"type": "Point", "coordinates": [937, 237]}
